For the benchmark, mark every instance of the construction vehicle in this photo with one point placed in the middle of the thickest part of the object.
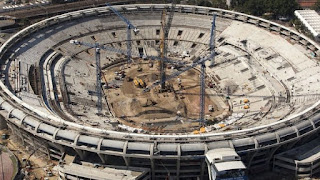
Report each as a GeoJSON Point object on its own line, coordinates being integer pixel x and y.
{"type": "Point", "coordinates": [139, 82]}
{"type": "Point", "coordinates": [210, 108]}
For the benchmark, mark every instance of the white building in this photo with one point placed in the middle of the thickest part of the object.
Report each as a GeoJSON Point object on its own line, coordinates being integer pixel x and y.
{"type": "Point", "coordinates": [311, 19]}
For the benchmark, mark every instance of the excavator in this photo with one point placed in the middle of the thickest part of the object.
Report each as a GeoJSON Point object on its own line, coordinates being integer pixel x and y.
{"type": "Point", "coordinates": [139, 82]}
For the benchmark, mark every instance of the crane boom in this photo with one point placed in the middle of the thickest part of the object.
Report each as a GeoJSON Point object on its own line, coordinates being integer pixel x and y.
{"type": "Point", "coordinates": [173, 75]}
{"type": "Point", "coordinates": [129, 27]}
{"type": "Point", "coordinates": [106, 48]}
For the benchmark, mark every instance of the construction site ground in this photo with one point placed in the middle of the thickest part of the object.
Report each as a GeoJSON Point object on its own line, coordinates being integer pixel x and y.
{"type": "Point", "coordinates": [175, 110]}
{"type": "Point", "coordinates": [39, 164]}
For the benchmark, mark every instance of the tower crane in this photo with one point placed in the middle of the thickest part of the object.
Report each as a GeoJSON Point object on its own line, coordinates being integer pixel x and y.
{"type": "Point", "coordinates": [203, 68]}
{"type": "Point", "coordinates": [107, 48]}
{"type": "Point", "coordinates": [129, 27]}
{"type": "Point", "coordinates": [182, 70]}
{"type": "Point", "coordinates": [212, 43]}
{"type": "Point", "coordinates": [162, 51]}
{"type": "Point", "coordinates": [97, 48]}
{"type": "Point", "coordinates": [202, 75]}
{"type": "Point", "coordinates": [165, 28]}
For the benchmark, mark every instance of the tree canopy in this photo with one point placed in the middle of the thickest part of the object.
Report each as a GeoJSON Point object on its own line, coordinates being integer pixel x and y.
{"type": "Point", "coordinates": [317, 6]}
{"type": "Point", "coordinates": [278, 8]}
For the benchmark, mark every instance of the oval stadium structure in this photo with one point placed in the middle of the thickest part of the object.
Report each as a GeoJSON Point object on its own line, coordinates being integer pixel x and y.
{"type": "Point", "coordinates": [261, 98]}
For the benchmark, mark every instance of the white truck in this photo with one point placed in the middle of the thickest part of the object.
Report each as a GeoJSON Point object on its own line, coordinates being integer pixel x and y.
{"type": "Point", "coordinates": [225, 164]}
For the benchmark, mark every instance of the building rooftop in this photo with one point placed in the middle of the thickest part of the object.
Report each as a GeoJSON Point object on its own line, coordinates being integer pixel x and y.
{"type": "Point", "coordinates": [104, 173]}
{"type": "Point", "coordinates": [306, 153]}
{"type": "Point", "coordinates": [306, 3]}
{"type": "Point", "coordinates": [222, 166]}
{"type": "Point", "coordinates": [310, 19]}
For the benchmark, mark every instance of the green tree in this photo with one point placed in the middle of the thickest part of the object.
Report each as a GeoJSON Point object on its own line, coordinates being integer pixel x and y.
{"type": "Point", "coordinates": [205, 3]}
{"type": "Point", "coordinates": [316, 6]}
{"type": "Point", "coordinates": [284, 8]}
{"type": "Point", "coordinates": [254, 7]}
{"type": "Point", "coordinates": [219, 4]}
{"type": "Point", "coordinates": [277, 8]}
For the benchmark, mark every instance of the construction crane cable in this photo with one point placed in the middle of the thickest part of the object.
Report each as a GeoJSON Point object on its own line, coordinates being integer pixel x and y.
{"type": "Point", "coordinates": [173, 75]}
{"type": "Point", "coordinates": [103, 47]}
{"type": "Point", "coordinates": [130, 27]}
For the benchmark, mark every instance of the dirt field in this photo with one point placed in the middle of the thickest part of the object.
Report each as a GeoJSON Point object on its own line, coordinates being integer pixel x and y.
{"type": "Point", "coordinates": [175, 110]}
{"type": "Point", "coordinates": [38, 164]}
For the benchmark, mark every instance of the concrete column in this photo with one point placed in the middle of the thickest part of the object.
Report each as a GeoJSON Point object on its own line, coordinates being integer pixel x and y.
{"type": "Point", "coordinates": [101, 156]}
{"type": "Point", "coordinates": [251, 158]}
{"type": "Point", "coordinates": [153, 174]}
{"type": "Point", "coordinates": [126, 159]}
{"type": "Point", "coordinates": [178, 161]}
{"type": "Point", "coordinates": [203, 166]}
{"type": "Point", "coordinates": [202, 170]}
{"type": "Point", "coordinates": [152, 161]}
{"type": "Point", "coordinates": [81, 153]}
{"type": "Point", "coordinates": [58, 146]}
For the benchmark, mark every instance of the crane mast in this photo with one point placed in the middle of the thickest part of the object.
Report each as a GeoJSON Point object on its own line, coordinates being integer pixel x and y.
{"type": "Point", "coordinates": [129, 27]}
{"type": "Point", "coordinates": [203, 66]}
{"type": "Point", "coordinates": [98, 92]}
{"type": "Point", "coordinates": [98, 79]}
{"type": "Point", "coordinates": [162, 51]}
{"type": "Point", "coordinates": [203, 76]}
{"type": "Point", "coordinates": [212, 43]}
{"type": "Point", "coordinates": [201, 62]}
{"type": "Point", "coordinates": [202, 93]}
{"type": "Point", "coordinates": [164, 34]}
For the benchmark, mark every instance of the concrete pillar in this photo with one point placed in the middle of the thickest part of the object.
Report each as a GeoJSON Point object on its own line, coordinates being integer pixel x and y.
{"type": "Point", "coordinates": [152, 147]}
{"type": "Point", "coordinates": [251, 158]}
{"type": "Point", "coordinates": [126, 159]}
{"type": "Point", "coordinates": [203, 166]}
{"type": "Point", "coordinates": [82, 154]}
{"type": "Point", "coordinates": [153, 174]}
{"type": "Point", "coordinates": [102, 158]}
{"type": "Point", "coordinates": [178, 161]}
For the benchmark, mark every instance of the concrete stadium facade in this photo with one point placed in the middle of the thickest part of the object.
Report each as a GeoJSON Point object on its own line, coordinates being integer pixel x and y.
{"type": "Point", "coordinates": [181, 154]}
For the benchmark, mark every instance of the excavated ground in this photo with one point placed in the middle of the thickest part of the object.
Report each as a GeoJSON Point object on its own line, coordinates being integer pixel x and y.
{"type": "Point", "coordinates": [173, 111]}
